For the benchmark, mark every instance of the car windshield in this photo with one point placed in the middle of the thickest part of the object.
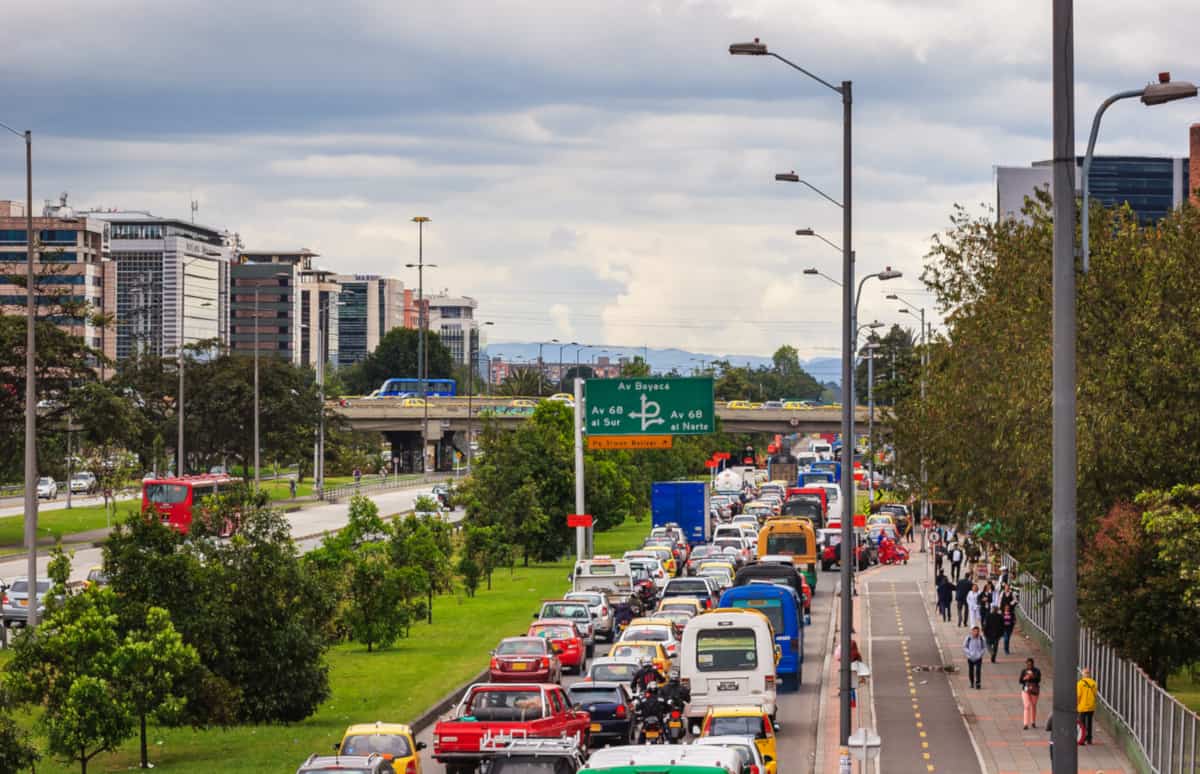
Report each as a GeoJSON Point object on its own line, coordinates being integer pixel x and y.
{"type": "Point", "coordinates": [45, 481]}
{"type": "Point", "coordinates": [505, 705]}
{"type": "Point", "coordinates": [22, 586]}
{"type": "Point", "coordinates": [681, 586]}
{"type": "Point", "coordinates": [616, 673]}
{"type": "Point", "coordinates": [633, 651]}
{"type": "Point", "coordinates": [577, 610]}
{"type": "Point", "coordinates": [723, 650]}
{"type": "Point", "coordinates": [552, 632]}
{"type": "Point", "coordinates": [831, 493]}
{"type": "Point", "coordinates": [166, 493]}
{"type": "Point", "coordinates": [747, 726]}
{"type": "Point", "coordinates": [384, 744]}
{"type": "Point", "coordinates": [735, 543]}
{"type": "Point", "coordinates": [647, 633]}
{"type": "Point", "coordinates": [699, 552]}
{"type": "Point", "coordinates": [787, 543]}
{"type": "Point", "coordinates": [584, 694]}
{"type": "Point", "coordinates": [521, 648]}
{"type": "Point", "coordinates": [591, 599]}
{"type": "Point", "coordinates": [602, 569]}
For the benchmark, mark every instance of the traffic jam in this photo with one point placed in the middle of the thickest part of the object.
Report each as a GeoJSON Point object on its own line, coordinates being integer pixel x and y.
{"type": "Point", "coordinates": [673, 658]}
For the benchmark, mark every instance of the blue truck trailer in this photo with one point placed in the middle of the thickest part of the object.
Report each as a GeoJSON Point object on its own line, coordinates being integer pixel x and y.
{"type": "Point", "coordinates": [684, 503]}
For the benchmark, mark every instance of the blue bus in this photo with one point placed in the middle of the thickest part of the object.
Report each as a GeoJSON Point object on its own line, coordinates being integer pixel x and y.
{"type": "Point", "coordinates": [396, 388]}
{"type": "Point", "coordinates": [780, 605]}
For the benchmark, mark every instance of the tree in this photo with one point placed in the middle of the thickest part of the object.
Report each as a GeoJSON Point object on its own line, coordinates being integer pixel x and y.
{"type": "Point", "coordinates": [487, 550]}
{"type": "Point", "coordinates": [396, 357]}
{"type": "Point", "coordinates": [1172, 520]}
{"type": "Point", "coordinates": [526, 380]}
{"type": "Point", "coordinates": [636, 367]}
{"type": "Point", "coordinates": [376, 614]}
{"type": "Point", "coordinates": [17, 753]}
{"type": "Point", "coordinates": [424, 543]}
{"type": "Point", "coordinates": [149, 668]}
{"type": "Point", "coordinates": [897, 368]}
{"type": "Point", "coordinates": [1131, 590]}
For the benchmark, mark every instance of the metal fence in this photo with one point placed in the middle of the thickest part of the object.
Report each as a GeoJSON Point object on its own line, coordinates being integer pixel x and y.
{"type": "Point", "coordinates": [1163, 729]}
{"type": "Point", "coordinates": [374, 486]}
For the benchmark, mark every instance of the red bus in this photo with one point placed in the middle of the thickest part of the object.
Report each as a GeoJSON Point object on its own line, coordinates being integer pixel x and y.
{"type": "Point", "coordinates": [175, 499]}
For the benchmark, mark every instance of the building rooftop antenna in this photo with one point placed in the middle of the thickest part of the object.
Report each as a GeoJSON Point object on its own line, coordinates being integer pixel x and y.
{"type": "Point", "coordinates": [195, 207]}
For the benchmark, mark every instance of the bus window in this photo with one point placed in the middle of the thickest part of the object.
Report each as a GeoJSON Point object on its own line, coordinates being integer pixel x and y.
{"type": "Point", "coordinates": [771, 608]}
{"type": "Point", "coordinates": [167, 494]}
{"type": "Point", "coordinates": [724, 650]}
{"type": "Point", "coordinates": [791, 543]}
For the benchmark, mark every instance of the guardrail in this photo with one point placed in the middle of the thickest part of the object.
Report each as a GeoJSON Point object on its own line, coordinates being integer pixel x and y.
{"type": "Point", "coordinates": [1165, 731]}
{"type": "Point", "coordinates": [368, 487]}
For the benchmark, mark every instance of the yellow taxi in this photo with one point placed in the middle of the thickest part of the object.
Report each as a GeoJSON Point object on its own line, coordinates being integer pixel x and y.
{"type": "Point", "coordinates": [661, 553]}
{"type": "Point", "coordinates": [655, 629]}
{"type": "Point", "coordinates": [686, 604]}
{"type": "Point", "coordinates": [756, 405]}
{"type": "Point", "coordinates": [716, 563]}
{"type": "Point", "coordinates": [394, 741]}
{"type": "Point", "coordinates": [562, 397]}
{"type": "Point", "coordinates": [880, 519]}
{"type": "Point", "coordinates": [738, 404]}
{"type": "Point", "coordinates": [412, 403]}
{"type": "Point", "coordinates": [523, 403]}
{"type": "Point", "coordinates": [652, 651]}
{"type": "Point", "coordinates": [744, 720]}
{"type": "Point", "coordinates": [795, 405]}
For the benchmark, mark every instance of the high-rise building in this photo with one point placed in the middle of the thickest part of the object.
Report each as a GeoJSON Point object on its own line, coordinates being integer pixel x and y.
{"type": "Point", "coordinates": [370, 306]}
{"type": "Point", "coordinates": [74, 282]}
{"type": "Point", "coordinates": [318, 301]}
{"type": "Point", "coordinates": [265, 310]}
{"type": "Point", "coordinates": [453, 318]}
{"type": "Point", "coordinates": [172, 282]}
{"type": "Point", "coordinates": [1151, 185]}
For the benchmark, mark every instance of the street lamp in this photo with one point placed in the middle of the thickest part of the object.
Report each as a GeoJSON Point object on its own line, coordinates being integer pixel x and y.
{"type": "Point", "coordinates": [560, 360]}
{"type": "Point", "coordinates": [792, 177]}
{"type": "Point", "coordinates": [1159, 93]}
{"type": "Point", "coordinates": [808, 232]}
{"type": "Point", "coordinates": [845, 91]}
{"type": "Point", "coordinates": [422, 322]}
{"type": "Point", "coordinates": [818, 273]}
{"type": "Point", "coordinates": [31, 466]}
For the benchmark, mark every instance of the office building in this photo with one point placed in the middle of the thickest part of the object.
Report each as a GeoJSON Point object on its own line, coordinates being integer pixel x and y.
{"type": "Point", "coordinates": [370, 306]}
{"type": "Point", "coordinates": [172, 282]}
{"type": "Point", "coordinates": [1152, 186]}
{"type": "Point", "coordinates": [319, 308]}
{"type": "Point", "coordinates": [453, 318]}
{"type": "Point", "coordinates": [265, 310]}
{"type": "Point", "coordinates": [74, 283]}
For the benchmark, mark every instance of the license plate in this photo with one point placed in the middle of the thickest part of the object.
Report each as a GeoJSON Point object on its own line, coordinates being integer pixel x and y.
{"type": "Point", "coordinates": [595, 727]}
{"type": "Point", "coordinates": [651, 734]}
{"type": "Point", "coordinates": [519, 667]}
{"type": "Point", "coordinates": [727, 686]}
{"type": "Point", "coordinates": [23, 602]}
{"type": "Point", "coordinates": [675, 724]}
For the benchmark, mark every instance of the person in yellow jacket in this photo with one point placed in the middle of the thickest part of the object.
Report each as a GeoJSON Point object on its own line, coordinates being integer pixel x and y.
{"type": "Point", "coordinates": [1085, 703]}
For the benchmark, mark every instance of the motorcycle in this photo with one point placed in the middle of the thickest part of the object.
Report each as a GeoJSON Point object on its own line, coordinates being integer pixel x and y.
{"type": "Point", "coordinates": [649, 711]}
{"type": "Point", "coordinates": [891, 552]}
{"type": "Point", "coordinates": [676, 729]}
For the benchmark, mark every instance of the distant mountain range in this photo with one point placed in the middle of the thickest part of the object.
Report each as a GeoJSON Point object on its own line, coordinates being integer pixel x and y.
{"type": "Point", "coordinates": [827, 370]}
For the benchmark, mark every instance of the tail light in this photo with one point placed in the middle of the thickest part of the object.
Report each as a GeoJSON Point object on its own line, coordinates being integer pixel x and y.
{"type": "Point", "coordinates": [796, 644]}
{"type": "Point", "coordinates": [754, 768]}
{"type": "Point", "coordinates": [604, 611]}
{"type": "Point", "coordinates": [675, 714]}
{"type": "Point", "coordinates": [495, 663]}
{"type": "Point", "coordinates": [545, 662]}
{"type": "Point", "coordinates": [707, 725]}
{"type": "Point", "coordinates": [770, 682]}
{"type": "Point", "coordinates": [621, 710]}
{"type": "Point", "coordinates": [767, 730]}
{"type": "Point", "coordinates": [411, 768]}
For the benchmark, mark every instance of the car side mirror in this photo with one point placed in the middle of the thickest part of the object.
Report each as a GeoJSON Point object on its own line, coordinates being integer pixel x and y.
{"type": "Point", "coordinates": [775, 727]}
{"type": "Point", "coordinates": [337, 746]}
{"type": "Point", "coordinates": [535, 615]}
{"type": "Point", "coordinates": [420, 745]}
{"type": "Point", "coordinates": [768, 759]}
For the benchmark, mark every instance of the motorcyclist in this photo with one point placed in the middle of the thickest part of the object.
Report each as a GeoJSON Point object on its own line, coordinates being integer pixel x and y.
{"type": "Point", "coordinates": [651, 705]}
{"type": "Point", "coordinates": [647, 676]}
{"type": "Point", "coordinates": [675, 692]}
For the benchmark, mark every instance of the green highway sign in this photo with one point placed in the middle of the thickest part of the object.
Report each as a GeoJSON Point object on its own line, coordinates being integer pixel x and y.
{"type": "Point", "coordinates": [649, 406]}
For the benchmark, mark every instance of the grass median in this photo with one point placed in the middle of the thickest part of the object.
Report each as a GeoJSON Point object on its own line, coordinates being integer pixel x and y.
{"type": "Point", "coordinates": [396, 684]}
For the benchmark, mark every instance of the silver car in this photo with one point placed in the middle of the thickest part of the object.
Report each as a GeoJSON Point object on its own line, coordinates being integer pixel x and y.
{"type": "Point", "coordinates": [47, 488]}
{"type": "Point", "coordinates": [83, 483]}
{"type": "Point", "coordinates": [602, 614]}
{"type": "Point", "coordinates": [15, 602]}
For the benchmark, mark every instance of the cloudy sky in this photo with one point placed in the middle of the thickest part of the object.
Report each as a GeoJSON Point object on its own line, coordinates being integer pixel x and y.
{"type": "Point", "coordinates": [599, 171]}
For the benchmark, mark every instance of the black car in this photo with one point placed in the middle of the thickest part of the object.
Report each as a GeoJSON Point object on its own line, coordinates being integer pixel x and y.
{"type": "Point", "coordinates": [899, 514]}
{"type": "Point", "coordinates": [610, 707]}
{"type": "Point", "coordinates": [519, 755]}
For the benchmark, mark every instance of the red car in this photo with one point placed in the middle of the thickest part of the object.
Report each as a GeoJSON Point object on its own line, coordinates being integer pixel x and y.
{"type": "Point", "coordinates": [513, 709]}
{"type": "Point", "coordinates": [563, 635]}
{"type": "Point", "coordinates": [525, 660]}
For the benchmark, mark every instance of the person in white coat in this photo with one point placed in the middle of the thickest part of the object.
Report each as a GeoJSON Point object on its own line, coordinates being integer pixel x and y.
{"type": "Point", "coordinates": [973, 606]}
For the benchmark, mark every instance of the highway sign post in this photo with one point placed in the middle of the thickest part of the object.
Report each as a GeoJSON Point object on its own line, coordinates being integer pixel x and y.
{"type": "Point", "coordinates": [650, 406]}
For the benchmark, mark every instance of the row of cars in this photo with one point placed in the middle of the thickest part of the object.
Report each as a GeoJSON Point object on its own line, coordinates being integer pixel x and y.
{"type": "Point", "coordinates": [82, 482]}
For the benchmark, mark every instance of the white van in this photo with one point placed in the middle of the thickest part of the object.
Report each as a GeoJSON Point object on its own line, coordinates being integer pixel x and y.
{"type": "Point", "coordinates": [665, 755]}
{"type": "Point", "coordinates": [833, 497]}
{"type": "Point", "coordinates": [823, 449]}
{"type": "Point", "coordinates": [602, 573]}
{"type": "Point", "coordinates": [727, 658]}
{"type": "Point", "coordinates": [727, 531]}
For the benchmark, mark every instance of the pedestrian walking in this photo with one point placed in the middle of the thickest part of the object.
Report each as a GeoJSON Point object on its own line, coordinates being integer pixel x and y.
{"type": "Point", "coordinates": [1031, 686]}
{"type": "Point", "coordinates": [956, 560]}
{"type": "Point", "coordinates": [1010, 622]}
{"type": "Point", "coordinates": [945, 595]}
{"type": "Point", "coordinates": [961, 590]}
{"type": "Point", "coordinates": [985, 600]}
{"type": "Point", "coordinates": [939, 556]}
{"type": "Point", "coordinates": [292, 487]}
{"type": "Point", "coordinates": [993, 630]}
{"type": "Point", "coordinates": [973, 606]}
{"type": "Point", "coordinates": [973, 648]}
{"type": "Point", "coordinates": [1085, 703]}
{"type": "Point", "coordinates": [1007, 596]}
{"type": "Point", "coordinates": [1004, 579]}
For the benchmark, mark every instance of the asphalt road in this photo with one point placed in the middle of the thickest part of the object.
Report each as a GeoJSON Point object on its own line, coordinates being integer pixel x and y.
{"type": "Point", "coordinates": [797, 715]}
{"type": "Point", "coordinates": [916, 714]}
{"type": "Point", "coordinates": [308, 526]}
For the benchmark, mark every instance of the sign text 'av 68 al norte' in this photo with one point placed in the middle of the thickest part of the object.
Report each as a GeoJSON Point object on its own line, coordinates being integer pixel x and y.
{"type": "Point", "coordinates": [649, 406]}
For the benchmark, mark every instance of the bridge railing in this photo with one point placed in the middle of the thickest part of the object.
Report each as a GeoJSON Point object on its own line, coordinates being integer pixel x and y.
{"type": "Point", "coordinates": [334, 494]}
{"type": "Point", "coordinates": [1164, 730]}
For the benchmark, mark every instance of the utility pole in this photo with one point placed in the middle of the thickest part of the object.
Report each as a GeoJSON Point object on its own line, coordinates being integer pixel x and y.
{"type": "Point", "coordinates": [422, 321]}
{"type": "Point", "coordinates": [1066, 622]}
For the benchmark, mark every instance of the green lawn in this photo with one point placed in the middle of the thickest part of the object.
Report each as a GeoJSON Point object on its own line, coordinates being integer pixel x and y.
{"type": "Point", "coordinates": [1186, 689]}
{"type": "Point", "coordinates": [391, 685]}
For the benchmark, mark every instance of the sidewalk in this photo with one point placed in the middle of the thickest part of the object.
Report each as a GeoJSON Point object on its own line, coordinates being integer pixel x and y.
{"type": "Point", "coordinates": [828, 743]}
{"type": "Point", "coordinates": [993, 714]}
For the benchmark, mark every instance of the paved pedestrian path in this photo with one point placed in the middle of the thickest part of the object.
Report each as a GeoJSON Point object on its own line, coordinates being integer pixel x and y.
{"type": "Point", "coordinates": [993, 713]}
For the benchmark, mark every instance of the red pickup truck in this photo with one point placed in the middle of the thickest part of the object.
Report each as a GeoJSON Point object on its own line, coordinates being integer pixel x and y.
{"type": "Point", "coordinates": [513, 709]}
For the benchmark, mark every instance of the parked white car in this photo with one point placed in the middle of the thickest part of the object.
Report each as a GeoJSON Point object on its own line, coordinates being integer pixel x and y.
{"type": "Point", "coordinates": [83, 482]}
{"type": "Point", "coordinates": [46, 488]}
